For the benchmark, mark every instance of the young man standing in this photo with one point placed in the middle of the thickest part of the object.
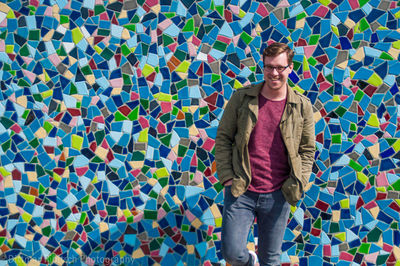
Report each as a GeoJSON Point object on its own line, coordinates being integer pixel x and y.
{"type": "Point", "coordinates": [264, 155]}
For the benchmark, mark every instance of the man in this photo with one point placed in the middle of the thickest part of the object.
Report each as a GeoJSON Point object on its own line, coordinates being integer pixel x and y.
{"type": "Point", "coordinates": [264, 155]}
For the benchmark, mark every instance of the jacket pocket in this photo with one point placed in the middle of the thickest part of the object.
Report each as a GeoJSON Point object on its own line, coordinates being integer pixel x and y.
{"type": "Point", "coordinates": [296, 167]}
{"type": "Point", "coordinates": [235, 160]}
{"type": "Point", "coordinates": [238, 182]}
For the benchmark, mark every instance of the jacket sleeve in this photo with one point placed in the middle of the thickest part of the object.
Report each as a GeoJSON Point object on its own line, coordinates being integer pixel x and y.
{"type": "Point", "coordinates": [225, 140]}
{"type": "Point", "coordinates": [307, 143]}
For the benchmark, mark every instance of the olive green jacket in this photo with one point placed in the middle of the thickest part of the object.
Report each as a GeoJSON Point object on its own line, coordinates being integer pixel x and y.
{"type": "Point", "coordinates": [237, 122]}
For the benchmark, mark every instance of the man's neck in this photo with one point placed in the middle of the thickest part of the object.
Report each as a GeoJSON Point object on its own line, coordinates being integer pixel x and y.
{"type": "Point", "coordinates": [274, 95]}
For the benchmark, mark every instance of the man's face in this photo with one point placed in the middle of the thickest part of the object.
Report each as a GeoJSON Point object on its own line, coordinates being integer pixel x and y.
{"type": "Point", "coordinates": [276, 71]}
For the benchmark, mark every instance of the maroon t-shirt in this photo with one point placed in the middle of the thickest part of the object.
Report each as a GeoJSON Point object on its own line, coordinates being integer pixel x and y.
{"type": "Point", "coordinates": [268, 153]}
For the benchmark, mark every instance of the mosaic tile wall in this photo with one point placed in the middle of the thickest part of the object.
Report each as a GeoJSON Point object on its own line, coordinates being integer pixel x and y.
{"type": "Point", "coordinates": [109, 111]}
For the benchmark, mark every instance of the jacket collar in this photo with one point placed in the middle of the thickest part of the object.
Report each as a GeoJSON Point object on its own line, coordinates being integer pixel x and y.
{"type": "Point", "coordinates": [291, 96]}
{"type": "Point", "coordinates": [256, 89]}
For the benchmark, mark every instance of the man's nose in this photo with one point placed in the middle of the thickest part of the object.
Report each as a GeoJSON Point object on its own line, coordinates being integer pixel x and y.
{"type": "Point", "coordinates": [275, 71]}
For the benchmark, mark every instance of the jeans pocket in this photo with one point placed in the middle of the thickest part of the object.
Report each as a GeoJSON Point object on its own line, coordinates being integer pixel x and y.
{"type": "Point", "coordinates": [228, 197]}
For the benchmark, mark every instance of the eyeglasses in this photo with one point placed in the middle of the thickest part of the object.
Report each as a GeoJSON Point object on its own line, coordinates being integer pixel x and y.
{"type": "Point", "coordinates": [270, 68]}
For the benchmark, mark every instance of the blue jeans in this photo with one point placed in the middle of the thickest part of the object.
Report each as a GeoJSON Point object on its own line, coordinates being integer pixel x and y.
{"type": "Point", "coordinates": [272, 212]}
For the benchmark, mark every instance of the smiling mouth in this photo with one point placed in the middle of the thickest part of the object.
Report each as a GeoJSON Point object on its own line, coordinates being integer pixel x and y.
{"type": "Point", "coordinates": [274, 79]}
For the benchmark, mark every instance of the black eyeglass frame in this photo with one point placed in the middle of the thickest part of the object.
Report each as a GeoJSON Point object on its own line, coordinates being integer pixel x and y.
{"type": "Point", "coordinates": [280, 69]}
